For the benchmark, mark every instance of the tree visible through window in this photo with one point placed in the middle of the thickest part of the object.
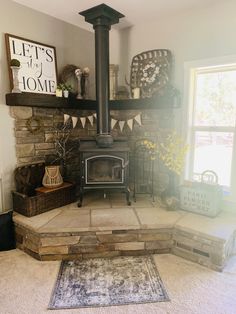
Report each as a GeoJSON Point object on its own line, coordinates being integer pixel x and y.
{"type": "Point", "coordinates": [213, 123]}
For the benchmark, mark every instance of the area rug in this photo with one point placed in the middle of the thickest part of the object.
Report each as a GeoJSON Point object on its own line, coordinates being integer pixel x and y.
{"type": "Point", "coordinates": [105, 282]}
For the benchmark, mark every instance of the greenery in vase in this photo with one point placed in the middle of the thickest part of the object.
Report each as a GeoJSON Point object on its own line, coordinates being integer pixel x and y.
{"type": "Point", "coordinates": [64, 86]}
{"type": "Point", "coordinates": [170, 151]}
{"type": "Point", "coordinates": [64, 146]}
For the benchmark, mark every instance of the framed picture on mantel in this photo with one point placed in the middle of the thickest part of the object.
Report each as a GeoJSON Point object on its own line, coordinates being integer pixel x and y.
{"type": "Point", "coordinates": [38, 65]}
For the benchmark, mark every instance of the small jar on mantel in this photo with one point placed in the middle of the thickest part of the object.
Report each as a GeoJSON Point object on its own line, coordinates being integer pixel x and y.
{"type": "Point", "coordinates": [58, 92]}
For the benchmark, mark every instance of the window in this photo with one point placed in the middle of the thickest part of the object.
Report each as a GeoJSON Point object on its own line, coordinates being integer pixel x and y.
{"type": "Point", "coordinates": [212, 116]}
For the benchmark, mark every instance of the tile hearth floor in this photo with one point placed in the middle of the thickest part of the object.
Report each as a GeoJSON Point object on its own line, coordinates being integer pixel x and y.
{"type": "Point", "coordinates": [191, 236]}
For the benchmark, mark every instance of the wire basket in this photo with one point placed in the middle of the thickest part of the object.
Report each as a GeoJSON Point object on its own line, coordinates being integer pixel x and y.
{"type": "Point", "coordinates": [202, 197]}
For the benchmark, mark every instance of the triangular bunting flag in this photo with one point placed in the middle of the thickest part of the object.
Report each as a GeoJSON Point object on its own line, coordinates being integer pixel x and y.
{"type": "Point", "coordinates": [113, 123]}
{"type": "Point", "coordinates": [138, 119]}
{"type": "Point", "coordinates": [83, 121]}
{"type": "Point", "coordinates": [66, 117]}
{"type": "Point", "coordinates": [74, 121]}
{"type": "Point", "coordinates": [130, 123]}
{"type": "Point", "coordinates": [95, 115]}
{"type": "Point", "coordinates": [90, 118]}
{"type": "Point", "coordinates": [121, 124]}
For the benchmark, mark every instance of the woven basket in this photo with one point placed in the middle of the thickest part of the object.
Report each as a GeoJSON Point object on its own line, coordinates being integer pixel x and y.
{"type": "Point", "coordinates": [43, 202]}
{"type": "Point", "coordinates": [52, 177]}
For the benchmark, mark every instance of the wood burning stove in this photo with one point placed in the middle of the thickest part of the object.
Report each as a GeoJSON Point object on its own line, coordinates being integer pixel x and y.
{"type": "Point", "coordinates": [104, 168]}
{"type": "Point", "coordinates": [104, 164]}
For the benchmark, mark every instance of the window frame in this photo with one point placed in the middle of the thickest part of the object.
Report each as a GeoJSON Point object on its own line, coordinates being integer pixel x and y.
{"type": "Point", "coordinates": [191, 69]}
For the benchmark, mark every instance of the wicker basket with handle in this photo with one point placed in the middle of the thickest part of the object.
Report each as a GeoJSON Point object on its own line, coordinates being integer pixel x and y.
{"type": "Point", "coordinates": [28, 201]}
{"type": "Point", "coordinates": [202, 197]}
{"type": "Point", "coordinates": [52, 177]}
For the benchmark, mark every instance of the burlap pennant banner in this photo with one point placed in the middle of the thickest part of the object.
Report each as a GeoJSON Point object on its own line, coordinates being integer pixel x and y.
{"type": "Point", "coordinates": [121, 123]}
{"type": "Point", "coordinates": [90, 118]}
{"type": "Point", "coordinates": [74, 121]}
{"type": "Point", "coordinates": [113, 123]}
{"type": "Point", "coordinates": [83, 121]}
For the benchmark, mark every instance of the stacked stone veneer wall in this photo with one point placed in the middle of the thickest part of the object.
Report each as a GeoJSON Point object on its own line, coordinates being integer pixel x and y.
{"type": "Point", "coordinates": [209, 252]}
{"type": "Point", "coordinates": [75, 245]}
{"type": "Point", "coordinates": [35, 147]}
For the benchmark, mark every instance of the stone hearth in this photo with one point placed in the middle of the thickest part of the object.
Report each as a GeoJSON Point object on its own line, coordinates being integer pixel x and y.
{"type": "Point", "coordinates": [108, 228]}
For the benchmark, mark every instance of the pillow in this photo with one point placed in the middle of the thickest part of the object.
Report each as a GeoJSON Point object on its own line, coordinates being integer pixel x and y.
{"type": "Point", "coordinates": [7, 234]}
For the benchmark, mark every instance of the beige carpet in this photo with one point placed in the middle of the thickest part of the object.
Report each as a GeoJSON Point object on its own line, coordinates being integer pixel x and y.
{"type": "Point", "coordinates": [26, 285]}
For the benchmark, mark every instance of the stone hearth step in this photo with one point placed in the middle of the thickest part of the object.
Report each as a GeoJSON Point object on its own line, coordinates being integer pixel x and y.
{"type": "Point", "coordinates": [104, 228]}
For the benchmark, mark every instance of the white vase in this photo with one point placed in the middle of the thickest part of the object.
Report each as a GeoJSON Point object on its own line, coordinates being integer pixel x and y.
{"type": "Point", "coordinates": [66, 93]}
{"type": "Point", "coordinates": [52, 177]}
{"type": "Point", "coordinates": [15, 71]}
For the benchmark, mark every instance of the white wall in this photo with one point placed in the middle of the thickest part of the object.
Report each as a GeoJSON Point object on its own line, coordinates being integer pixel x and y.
{"type": "Point", "coordinates": [73, 46]}
{"type": "Point", "coordinates": [193, 34]}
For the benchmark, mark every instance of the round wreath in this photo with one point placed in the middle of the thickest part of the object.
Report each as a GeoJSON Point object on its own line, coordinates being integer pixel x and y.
{"type": "Point", "coordinates": [34, 125]}
{"type": "Point", "coordinates": [68, 76]}
{"type": "Point", "coordinates": [68, 72]}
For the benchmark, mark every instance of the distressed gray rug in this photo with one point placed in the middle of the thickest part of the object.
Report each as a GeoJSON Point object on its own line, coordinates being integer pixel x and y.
{"type": "Point", "coordinates": [106, 282]}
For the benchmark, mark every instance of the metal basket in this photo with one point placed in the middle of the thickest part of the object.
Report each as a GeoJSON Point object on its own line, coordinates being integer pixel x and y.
{"type": "Point", "coordinates": [202, 197]}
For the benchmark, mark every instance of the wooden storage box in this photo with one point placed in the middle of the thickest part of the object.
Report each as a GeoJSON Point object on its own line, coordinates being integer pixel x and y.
{"type": "Point", "coordinates": [44, 200]}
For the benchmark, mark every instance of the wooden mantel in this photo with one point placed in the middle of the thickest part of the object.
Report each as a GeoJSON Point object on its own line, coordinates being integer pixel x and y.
{"type": "Point", "coordinates": [51, 101]}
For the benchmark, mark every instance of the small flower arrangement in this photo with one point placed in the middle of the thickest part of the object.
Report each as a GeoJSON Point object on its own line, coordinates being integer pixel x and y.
{"type": "Point", "coordinates": [64, 86]}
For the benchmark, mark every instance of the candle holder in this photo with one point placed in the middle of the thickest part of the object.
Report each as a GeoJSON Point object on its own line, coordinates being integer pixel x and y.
{"type": "Point", "coordinates": [85, 83]}
{"type": "Point", "coordinates": [15, 71]}
{"type": "Point", "coordinates": [78, 74]}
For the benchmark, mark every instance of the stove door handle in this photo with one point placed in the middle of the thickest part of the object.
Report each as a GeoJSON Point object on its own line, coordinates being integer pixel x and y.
{"type": "Point", "coordinates": [125, 164]}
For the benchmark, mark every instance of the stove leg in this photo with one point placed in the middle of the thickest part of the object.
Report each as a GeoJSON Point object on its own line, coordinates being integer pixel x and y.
{"type": "Point", "coordinates": [81, 194]}
{"type": "Point", "coordinates": [128, 196]}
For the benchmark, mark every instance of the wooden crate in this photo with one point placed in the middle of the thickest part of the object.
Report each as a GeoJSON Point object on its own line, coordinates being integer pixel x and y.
{"type": "Point", "coordinates": [44, 200]}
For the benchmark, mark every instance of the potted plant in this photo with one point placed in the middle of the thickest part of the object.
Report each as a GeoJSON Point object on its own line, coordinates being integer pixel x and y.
{"type": "Point", "coordinates": [66, 89]}
{"type": "Point", "coordinates": [63, 89]}
{"type": "Point", "coordinates": [171, 152]}
{"type": "Point", "coordinates": [15, 63]}
{"type": "Point", "coordinates": [59, 90]}
{"type": "Point", "coordinates": [15, 67]}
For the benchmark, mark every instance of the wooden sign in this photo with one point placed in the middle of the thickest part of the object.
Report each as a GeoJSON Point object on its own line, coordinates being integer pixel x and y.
{"type": "Point", "coordinates": [38, 70]}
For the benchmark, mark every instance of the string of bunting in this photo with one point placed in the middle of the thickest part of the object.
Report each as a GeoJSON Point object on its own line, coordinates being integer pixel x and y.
{"type": "Point", "coordinates": [90, 118]}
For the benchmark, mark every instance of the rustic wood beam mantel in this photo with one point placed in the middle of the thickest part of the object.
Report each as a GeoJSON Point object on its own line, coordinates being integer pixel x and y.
{"type": "Point", "coordinates": [164, 101]}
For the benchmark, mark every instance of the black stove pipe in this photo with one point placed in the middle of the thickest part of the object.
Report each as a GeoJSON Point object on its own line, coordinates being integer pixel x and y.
{"type": "Point", "coordinates": [102, 17]}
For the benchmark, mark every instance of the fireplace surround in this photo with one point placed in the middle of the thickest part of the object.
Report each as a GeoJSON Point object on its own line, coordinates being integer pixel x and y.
{"type": "Point", "coordinates": [31, 148]}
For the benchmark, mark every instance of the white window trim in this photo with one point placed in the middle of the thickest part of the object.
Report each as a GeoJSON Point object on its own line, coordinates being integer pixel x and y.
{"type": "Point", "coordinates": [187, 114]}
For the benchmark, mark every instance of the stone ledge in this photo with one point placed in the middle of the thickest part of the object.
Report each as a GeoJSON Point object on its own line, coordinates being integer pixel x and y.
{"type": "Point", "coordinates": [65, 243]}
